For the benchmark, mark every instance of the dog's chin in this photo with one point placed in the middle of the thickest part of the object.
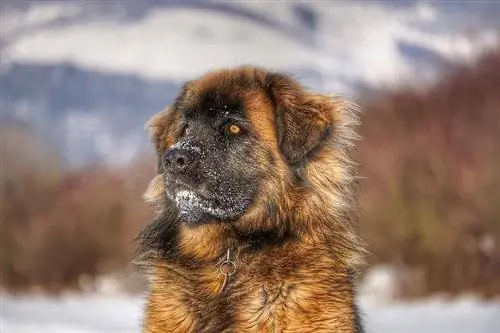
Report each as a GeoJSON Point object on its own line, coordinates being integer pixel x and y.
{"type": "Point", "coordinates": [195, 216]}
{"type": "Point", "coordinates": [196, 210]}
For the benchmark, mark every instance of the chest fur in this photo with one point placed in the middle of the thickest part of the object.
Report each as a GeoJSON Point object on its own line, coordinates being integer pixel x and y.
{"type": "Point", "coordinates": [298, 295]}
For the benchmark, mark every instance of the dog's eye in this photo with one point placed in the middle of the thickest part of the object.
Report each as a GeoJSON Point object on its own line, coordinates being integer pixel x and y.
{"type": "Point", "coordinates": [233, 129]}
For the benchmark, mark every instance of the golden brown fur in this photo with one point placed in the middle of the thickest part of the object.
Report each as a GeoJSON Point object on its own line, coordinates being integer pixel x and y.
{"type": "Point", "coordinates": [298, 276]}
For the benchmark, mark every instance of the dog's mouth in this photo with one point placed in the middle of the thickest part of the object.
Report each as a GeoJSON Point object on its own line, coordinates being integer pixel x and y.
{"type": "Point", "coordinates": [191, 204]}
{"type": "Point", "coordinates": [197, 204]}
{"type": "Point", "coordinates": [200, 204]}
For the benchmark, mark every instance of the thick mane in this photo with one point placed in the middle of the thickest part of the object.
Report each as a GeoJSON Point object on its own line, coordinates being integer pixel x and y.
{"type": "Point", "coordinates": [332, 213]}
{"type": "Point", "coordinates": [157, 240]}
{"type": "Point", "coordinates": [293, 249]}
{"type": "Point", "coordinates": [344, 182]}
{"type": "Point", "coordinates": [319, 202]}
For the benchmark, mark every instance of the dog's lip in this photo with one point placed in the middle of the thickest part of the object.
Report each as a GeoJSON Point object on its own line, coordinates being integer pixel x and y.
{"type": "Point", "coordinates": [177, 182]}
{"type": "Point", "coordinates": [184, 185]}
{"type": "Point", "coordinates": [180, 185]}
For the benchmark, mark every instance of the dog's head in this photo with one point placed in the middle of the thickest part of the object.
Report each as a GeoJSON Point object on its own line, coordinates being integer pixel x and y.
{"type": "Point", "coordinates": [234, 138]}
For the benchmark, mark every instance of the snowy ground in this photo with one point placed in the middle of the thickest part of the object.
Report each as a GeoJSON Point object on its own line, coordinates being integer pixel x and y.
{"type": "Point", "coordinates": [113, 314]}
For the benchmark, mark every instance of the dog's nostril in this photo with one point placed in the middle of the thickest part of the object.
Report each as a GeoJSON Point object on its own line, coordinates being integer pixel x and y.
{"type": "Point", "coordinates": [179, 160]}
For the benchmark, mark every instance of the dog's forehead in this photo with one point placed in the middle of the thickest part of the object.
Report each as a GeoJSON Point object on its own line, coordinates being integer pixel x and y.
{"type": "Point", "coordinates": [214, 105]}
{"type": "Point", "coordinates": [237, 94]}
{"type": "Point", "coordinates": [227, 96]}
{"type": "Point", "coordinates": [220, 101]}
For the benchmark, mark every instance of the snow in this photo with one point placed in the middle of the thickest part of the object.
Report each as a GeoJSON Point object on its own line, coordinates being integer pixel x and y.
{"type": "Point", "coordinates": [112, 313]}
{"type": "Point", "coordinates": [466, 315]}
{"type": "Point", "coordinates": [70, 314]}
{"type": "Point", "coordinates": [353, 40]}
{"type": "Point", "coordinates": [379, 284]}
{"type": "Point", "coordinates": [174, 43]}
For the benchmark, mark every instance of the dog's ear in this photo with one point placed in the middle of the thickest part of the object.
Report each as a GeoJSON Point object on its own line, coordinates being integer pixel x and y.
{"type": "Point", "coordinates": [303, 119]}
{"type": "Point", "coordinates": [161, 131]}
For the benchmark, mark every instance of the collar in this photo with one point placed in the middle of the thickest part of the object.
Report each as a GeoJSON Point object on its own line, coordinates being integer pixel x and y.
{"type": "Point", "coordinates": [227, 268]}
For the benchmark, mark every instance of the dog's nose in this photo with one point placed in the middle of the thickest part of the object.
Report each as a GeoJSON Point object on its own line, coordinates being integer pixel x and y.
{"type": "Point", "coordinates": [179, 160]}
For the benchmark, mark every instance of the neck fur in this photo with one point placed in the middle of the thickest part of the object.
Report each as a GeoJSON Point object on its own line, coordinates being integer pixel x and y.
{"type": "Point", "coordinates": [318, 210]}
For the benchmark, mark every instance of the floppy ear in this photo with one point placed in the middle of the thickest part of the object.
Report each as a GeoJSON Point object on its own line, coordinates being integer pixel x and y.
{"type": "Point", "coordinates": [160, 128]}
{"type": "Point", "coordinates": [303, 118]}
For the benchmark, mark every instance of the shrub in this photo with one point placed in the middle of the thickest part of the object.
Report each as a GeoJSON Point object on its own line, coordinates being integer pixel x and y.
{"type": "Point", "coordinates": [430, 199]}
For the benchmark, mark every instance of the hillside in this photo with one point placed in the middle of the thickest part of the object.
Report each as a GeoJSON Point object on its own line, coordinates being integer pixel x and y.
{"type": "Point", "coordinates": [87, 74]}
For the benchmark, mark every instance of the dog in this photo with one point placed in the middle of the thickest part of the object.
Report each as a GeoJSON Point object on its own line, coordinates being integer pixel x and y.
{"type": "Point", "coordinates": [255, 220]}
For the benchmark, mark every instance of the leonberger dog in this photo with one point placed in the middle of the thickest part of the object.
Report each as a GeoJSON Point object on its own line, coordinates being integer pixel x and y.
{"type": "Point", "coordinates": [254, 227]}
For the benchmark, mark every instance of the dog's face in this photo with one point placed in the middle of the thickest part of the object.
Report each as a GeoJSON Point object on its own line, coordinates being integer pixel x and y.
{"type": "Point", "coordinates": [213, 169]}
{"type": "Point", "coordinates": [230, 133]}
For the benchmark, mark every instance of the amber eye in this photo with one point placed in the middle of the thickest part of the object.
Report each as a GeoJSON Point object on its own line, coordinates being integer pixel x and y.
{"type": "Point", "coordinates": [234, 129]}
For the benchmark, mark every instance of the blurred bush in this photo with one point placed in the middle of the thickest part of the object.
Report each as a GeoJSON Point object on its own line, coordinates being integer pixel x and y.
{"type": "Point", "coordinates": [58, 227]}
{"type": "Point", "coordinates": [430, 201]}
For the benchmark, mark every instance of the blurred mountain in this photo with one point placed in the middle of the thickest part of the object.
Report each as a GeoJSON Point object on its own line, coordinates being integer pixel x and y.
{"type": "Point", "coordinates": [83, 112]}
{"type": "Point", "coordinates": [88, 74]}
